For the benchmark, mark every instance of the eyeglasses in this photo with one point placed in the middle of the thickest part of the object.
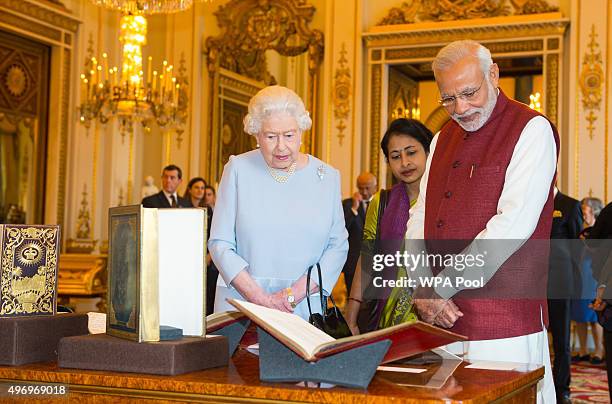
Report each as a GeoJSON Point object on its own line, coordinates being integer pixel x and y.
{"type": "Point", "coordinates": [467, 95]}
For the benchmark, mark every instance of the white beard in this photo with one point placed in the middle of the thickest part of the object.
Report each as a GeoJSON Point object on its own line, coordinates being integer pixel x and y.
{"type": "Point", "coordinates": [484, 112]}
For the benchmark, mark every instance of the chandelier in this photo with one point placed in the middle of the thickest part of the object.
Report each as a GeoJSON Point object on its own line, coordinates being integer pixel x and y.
{"type": "Point", "coordinates": [535, 102]}
{"type": "Point", "coordinates": [146, 7]}
{"type": "Point", "coordinates": [125, 92]}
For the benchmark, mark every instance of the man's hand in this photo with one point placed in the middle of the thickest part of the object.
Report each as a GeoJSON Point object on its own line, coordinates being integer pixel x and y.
{"type": "Point", "coordinates": [356, 201]}
{"type": "Point", "coordinates": [429, 308]}
{"type": "Point", "coordinates": [449, 315]}
{"type": "Point", "coordinates": [434, 310]}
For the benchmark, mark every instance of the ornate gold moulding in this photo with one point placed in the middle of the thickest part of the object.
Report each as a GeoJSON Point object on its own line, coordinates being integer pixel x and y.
{"type": "Point", "coordinates": [508, 27]}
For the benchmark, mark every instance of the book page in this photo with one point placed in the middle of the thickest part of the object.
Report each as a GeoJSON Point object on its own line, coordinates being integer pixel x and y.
{"type": "Point", "coordinates": [182, 235]}
{"type": "Point", "coordinates": [289, 326]}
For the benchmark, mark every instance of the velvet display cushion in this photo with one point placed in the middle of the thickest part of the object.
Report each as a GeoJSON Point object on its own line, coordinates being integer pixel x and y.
{"type": "Point", "coordinates": [104, 352]}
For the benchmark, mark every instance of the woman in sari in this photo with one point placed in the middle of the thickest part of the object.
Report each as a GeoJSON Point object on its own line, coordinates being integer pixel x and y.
{"type": "Point", "coordinates": [406, 147]}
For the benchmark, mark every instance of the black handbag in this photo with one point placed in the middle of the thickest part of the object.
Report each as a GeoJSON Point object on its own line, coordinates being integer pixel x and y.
{"type": "Point", "coordinates": [330, 320]}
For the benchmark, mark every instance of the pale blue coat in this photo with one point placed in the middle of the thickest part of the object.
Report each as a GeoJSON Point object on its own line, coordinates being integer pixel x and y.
{"type": "Point", "coordinates": [277, 230]}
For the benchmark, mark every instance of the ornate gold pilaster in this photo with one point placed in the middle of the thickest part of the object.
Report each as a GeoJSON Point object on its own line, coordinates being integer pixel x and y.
{"type": "Point", "coordinates": [552, 85]}
{"type": "Point", "coordinates": [591, 80]}
{"type": "Point", "coordinates": [63, 158]}
{"type": "Point", "coordinates": [577, 105]}
{"type": "Point", "coordinates": [376, 100]}
{"type": "Point", "coordinates": [342, 93]}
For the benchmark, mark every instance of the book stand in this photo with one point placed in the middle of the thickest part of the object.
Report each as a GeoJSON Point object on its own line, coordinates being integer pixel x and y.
{"type": "Point", "coordinates": [353, 368]}
{"type": "Point", "coordinates": [234, 333]}
{"type": "Point", "coordinates": [31, 339]}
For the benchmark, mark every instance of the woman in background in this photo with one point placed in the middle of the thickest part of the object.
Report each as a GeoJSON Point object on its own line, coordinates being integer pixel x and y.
{"type": "Point", "coordinates": [210, 197]}
{"type": "Point", "coordinates": [581, 313]}
{"type": "Point", "coordinates": [195, 192]}
{"type": "Point", "coordinates": [406, 147]}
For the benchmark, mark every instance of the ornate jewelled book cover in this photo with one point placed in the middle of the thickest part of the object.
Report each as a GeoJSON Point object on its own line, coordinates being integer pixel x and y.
{"type": "Point", "coordinates": [28, 272]}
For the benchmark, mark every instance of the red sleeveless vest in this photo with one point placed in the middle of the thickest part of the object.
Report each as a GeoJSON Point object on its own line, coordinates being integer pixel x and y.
{"type": "Point", "coordinates": [466, 179]}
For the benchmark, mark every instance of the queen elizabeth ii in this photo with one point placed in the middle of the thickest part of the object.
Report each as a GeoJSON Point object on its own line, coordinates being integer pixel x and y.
{"type": "Point", "coordinates": [278, 212]}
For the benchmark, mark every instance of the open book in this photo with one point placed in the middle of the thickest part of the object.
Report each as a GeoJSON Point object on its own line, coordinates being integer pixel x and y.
{"type": "Point", "coordinates": [313, 344]}
{"type": "Point", "coordinates": [217, 321]}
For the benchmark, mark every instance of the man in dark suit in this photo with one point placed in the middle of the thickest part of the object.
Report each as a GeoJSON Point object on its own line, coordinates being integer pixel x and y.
{"type": "Point", "coordinates": [354, 218]}
{"type": "Point", "coordinates": [172, 176]}
{"type": "Point", "coordinates": [564, 264]}
{"type": "Point", "coordinates": [598, 241]}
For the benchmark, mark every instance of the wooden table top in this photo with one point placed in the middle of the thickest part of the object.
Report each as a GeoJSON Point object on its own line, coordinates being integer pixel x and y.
{"type": "Point", "coordinates": [241, 380]}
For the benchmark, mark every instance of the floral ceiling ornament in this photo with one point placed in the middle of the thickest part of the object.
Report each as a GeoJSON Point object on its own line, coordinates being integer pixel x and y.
{"type": "Point", "coordinates": [445, 10]}
{"type": "Point", "coordinates": [342, 93]}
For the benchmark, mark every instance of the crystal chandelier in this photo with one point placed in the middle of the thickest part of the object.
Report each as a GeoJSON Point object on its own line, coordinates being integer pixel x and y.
{"type": "Point", "coordinates": [535, 102]}
{"type": "Point", "coordinates": [146, 7]}
{"type": "Point", "coordinates": [128, 94]}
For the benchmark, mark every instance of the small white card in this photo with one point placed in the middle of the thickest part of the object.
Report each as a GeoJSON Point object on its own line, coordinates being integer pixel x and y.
{"type": "Point", "coordinates": [254, 349]}
{"type": "Point", "coordinates": [96, 322]}
{"type": "Point", "coordinates": [492, 365]}
{"type": "Point", "coordinates": [400, 369]}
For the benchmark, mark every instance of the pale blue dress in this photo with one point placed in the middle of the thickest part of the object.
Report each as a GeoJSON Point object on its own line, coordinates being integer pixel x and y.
{"type": "Point", "coordinates": [277, 230]}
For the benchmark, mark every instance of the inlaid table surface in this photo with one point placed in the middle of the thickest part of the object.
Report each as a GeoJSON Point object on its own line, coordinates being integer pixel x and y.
{"type": "Point", "coordinates": [239, 382]}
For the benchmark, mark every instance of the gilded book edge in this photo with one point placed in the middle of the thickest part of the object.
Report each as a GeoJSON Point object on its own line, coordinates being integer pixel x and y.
{"type": "Point", "coordinates": [149, 276]}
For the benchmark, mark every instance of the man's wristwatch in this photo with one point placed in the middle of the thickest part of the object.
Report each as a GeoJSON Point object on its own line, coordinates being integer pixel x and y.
{"type": "Point", "coordinates": [290, 297]}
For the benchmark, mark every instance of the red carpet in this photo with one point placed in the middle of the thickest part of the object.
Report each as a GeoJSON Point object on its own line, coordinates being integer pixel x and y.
{"type": "Point", "coordinates": [589, 383]}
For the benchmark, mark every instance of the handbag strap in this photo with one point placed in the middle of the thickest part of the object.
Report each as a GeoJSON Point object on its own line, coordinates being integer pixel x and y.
{"type": "Point", "coordinates": [308, 290]}
{"type": "Point", "coordinates": [320, 290]}
{"type": "Point", "coordinates": [323, 301]}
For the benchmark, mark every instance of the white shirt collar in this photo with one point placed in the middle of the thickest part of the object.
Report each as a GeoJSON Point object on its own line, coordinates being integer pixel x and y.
{"type": "Point", "coordinates": [169, 196]}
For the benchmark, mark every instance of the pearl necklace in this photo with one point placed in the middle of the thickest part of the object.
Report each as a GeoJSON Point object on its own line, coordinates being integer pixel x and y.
{"type": "Point", "coordinates": [279, 177]}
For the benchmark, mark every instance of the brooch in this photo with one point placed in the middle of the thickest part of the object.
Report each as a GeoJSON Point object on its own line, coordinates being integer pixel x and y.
{"type": "Point", "coordinates": [321, 172]}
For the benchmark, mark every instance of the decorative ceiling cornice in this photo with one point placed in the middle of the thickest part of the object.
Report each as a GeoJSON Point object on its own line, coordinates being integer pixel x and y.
{"type": "Point", "coordinates": [489, 28]}
{"type": "Point", "coordinates": [450, 10]}
{"type": "Point", "coordinates": [47, 14]}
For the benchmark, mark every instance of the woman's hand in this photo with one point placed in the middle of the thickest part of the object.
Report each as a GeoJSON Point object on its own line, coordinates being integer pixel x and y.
{"type": "Point", "coordinates": [277, 301]}
{"type": "Point", "coordinates": [599, 304]}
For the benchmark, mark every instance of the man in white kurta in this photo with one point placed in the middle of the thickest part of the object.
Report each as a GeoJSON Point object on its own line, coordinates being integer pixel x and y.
{"type": "Point", "coordinates": [486, 160]}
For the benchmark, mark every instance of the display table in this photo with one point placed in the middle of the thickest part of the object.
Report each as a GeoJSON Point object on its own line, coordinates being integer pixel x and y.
{"type": "Point", "coordinates": [240, 383]}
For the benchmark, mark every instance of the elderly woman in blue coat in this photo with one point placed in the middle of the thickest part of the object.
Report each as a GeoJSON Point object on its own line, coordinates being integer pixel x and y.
{"type": "Point", "coordinates": [278, 212]}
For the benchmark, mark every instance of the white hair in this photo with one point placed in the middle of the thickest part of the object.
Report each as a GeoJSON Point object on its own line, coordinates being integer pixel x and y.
{"type": "Point", "coordinates": [455, 51]}
{"type": "Point", "coordinates": [275, 99]}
